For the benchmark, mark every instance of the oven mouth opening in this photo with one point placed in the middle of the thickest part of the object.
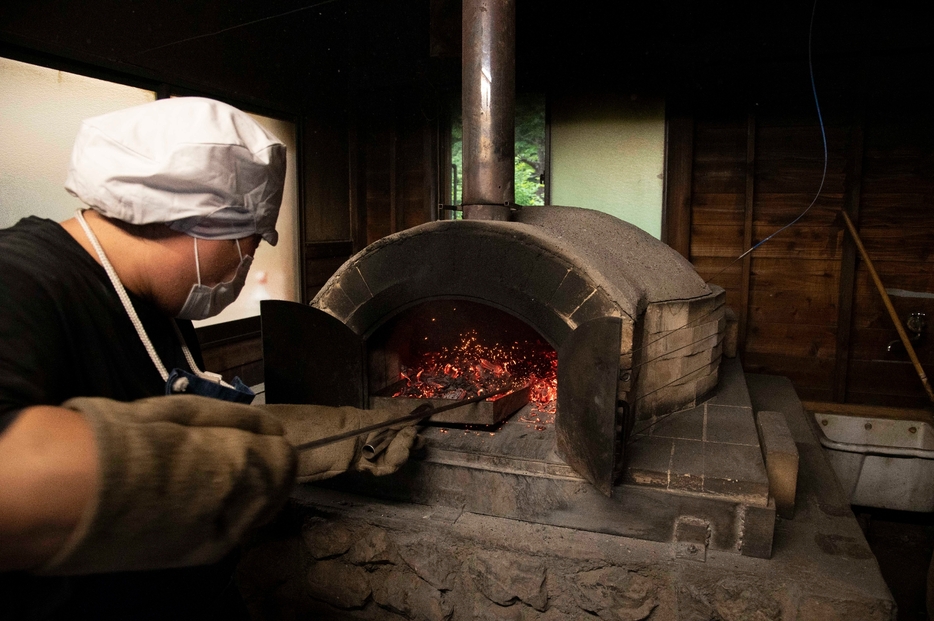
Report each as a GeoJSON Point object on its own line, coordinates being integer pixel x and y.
{"type": "Point", "coordinates": [444, 350]}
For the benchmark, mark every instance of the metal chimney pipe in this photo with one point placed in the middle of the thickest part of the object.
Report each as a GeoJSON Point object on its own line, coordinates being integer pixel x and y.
{"type": "Point", "coordinates": [488, 108]}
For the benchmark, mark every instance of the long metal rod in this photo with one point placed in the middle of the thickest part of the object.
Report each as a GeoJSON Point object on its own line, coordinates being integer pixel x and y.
{"type": "Point", "coordinates": [888, 305]}
{"type": "Point", "coordinates": [419, 413]}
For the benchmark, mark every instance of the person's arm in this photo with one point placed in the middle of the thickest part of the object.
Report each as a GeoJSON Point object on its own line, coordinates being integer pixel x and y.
{"type": "Point", "coordinates": [48, 475]}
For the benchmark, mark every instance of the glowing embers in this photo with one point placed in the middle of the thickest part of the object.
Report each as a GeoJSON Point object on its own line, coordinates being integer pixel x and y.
{"type": "Point", "coordinates": [471, 367]}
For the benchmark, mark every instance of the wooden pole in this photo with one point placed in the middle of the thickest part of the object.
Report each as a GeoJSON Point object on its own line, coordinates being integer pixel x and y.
{"type": "Point", "coordinates": [888, 305]}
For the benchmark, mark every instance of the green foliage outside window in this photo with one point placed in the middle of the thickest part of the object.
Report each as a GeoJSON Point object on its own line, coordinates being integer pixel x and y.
{"type": "Point", "coordinates": [530, 152]}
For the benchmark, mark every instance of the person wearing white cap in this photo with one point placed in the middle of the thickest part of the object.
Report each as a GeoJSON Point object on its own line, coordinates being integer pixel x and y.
{"type": "Point", "coordinates": [116, 451]}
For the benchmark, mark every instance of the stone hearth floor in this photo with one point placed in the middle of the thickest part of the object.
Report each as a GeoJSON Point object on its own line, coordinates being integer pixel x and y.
{"type": "Point", "coordinates": [711, 448]}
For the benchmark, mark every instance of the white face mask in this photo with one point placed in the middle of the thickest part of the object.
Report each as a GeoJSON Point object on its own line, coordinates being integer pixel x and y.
{"type": "Point", "coordinates": [204, 301]}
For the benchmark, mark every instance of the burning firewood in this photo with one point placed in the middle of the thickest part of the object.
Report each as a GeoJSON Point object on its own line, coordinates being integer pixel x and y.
{"type": "Point", "coordinates": [472, 367]}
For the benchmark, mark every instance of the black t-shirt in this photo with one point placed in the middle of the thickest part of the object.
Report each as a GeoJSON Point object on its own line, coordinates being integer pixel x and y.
{"type": "Point", "coordinates": [64, 333]}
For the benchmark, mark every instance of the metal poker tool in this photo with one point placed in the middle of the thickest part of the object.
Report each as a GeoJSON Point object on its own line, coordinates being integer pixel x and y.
{"type": "Point", "coordinates": [378, 444]}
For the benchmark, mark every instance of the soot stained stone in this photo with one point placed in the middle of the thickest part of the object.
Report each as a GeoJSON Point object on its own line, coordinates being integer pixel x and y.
{"type": "Point", "coordinates": [547, 275]}
{"type": "Point", "coordinates": [382, 265]}
{"type": "Point", "coordinates": [338, 304]}
{"type": "Point", "coordinates": [339, 584]}
{"type": "Point", "coordinates": [353, 285]}
{"type": "Point", "coordinates": [325, 539]}
{"type": "Point", "coordinates": [406, 594]}
{"type": "Point", "coordinates": [615, 593]}
{"type": "Point", "coordinates": [597, 305]}
{"type": "Point", "coordinates": [435, 566]}
{"type": "Point", "coordinates": [571, 293]}
{"type": "Point", "coordinates": [374, 547]}
{"type": "Point", "coordinates": [505, 578]}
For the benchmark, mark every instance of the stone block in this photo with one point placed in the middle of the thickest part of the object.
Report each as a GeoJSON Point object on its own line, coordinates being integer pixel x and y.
{"type": "Point", "coordinates": [506, 578]}
{"type": "Point", "coordinates": [707, 383]}
{"type": "Point", "coordinates": [341, 585]}
{"type": "Point", "coordinates": [758, 531]}
{"type": "Point", "coordinates": [373, 547]}
{"type": "Point", "coordinates": [547, 275]}
{"type": "Point", "coordinates": [688, 425]}
{"type": "Point", "coordinates": [430, 562]}
{"type": "Point", "coordinates": [732, 388]}
{"type": "Point", "coordinates": [781, 460]}
{"type": "Point", "coordinates": [571, 293]}
{"type": "Point", "coordinates": [385, 264]}
{"type": "Point", "coordinates": [658, 374]}
{"type": "Point", "coordinates": [510, 259]}
{"type": "Point", "coordinates": [666, 400]}
{"type": "Point", "coordinates": [324, 539]}
{"type": "Point", "coordinates": [597, 305]}
{"type": "Point", "coordinates": [700, 354]}
{"type": "Point", "coordinates": [354, 286]}
{"type": "Point", "coordinates": [649, 460]}
{"type": "Point", "coordinates": [710, 307]}
{"type": "Point", "coordinates": [683, 341]}
{"type": "Point", "coordinates": [615, 593]}
{"type": "Point", "coordinates": [731, 425]}
{"type": "Point", "coordinates": [337, 303]}
{"type": "Point", "coordinates": [666, 316]}
{"type": "Point", "coordinates": [735, 470]}
{"type": "Point", "coordinates": [691, 538]}
{"type": "Point", "coordinates": [405, 594]}
{"type": "Point", "coordinates": [687, 465]}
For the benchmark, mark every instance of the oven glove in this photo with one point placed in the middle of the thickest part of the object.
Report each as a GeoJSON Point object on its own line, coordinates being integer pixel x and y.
{"type": "Point", "coordinates": [306, 423]}
{"type": "Point", "coordinates": [182, 478]}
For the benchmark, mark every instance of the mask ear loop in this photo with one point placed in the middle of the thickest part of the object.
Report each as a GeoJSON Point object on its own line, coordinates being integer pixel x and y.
{"type": "Point", "coordinates": [134, 318]}
{"type": "Point", "coordinates": [207, 375]}
{"type": "Point", "coordinates": [122, 294]}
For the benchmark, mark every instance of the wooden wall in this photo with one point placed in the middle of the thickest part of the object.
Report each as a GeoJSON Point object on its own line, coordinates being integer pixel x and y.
{"type": "Point", "coordinates": [367, 176]}
{"type": "Point", "coordinates": [806, 304]}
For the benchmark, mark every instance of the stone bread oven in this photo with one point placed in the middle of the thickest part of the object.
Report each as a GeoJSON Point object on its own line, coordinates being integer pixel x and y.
{"type": "Point", "coordinates": [637, 332]}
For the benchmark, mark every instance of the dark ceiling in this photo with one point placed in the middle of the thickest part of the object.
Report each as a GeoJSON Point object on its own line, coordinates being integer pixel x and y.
{"type": "Point", "coordinates": [293, 54]}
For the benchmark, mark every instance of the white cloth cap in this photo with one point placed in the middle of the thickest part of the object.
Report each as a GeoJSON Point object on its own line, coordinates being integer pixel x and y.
{"type": "Point", "coordinates": [198, 165]}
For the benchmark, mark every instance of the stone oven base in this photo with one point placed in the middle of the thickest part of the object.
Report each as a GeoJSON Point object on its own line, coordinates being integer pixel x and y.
{"type": "Point", "coordinates": [334, 555]}
{"type": "Point", "coordinates": [697, 477]}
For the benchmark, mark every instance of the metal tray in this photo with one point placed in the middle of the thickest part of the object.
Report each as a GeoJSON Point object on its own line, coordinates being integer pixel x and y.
{"type": "Point", "coordinates": [480, 413]}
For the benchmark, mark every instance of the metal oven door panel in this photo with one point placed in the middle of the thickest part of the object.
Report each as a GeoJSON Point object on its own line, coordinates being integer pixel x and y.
{"type": "Point", "coordinates": [586, 426]}
{"type": "Point", "coordinates": [310, 357]}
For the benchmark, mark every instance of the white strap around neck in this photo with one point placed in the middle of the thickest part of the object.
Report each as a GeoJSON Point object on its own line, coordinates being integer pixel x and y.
{"type": "Point", "coordinates": [134, 318]}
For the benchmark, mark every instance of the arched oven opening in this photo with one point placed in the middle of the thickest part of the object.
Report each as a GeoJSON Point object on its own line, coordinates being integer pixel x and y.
{"type": "Point", "coordinates": [441, 351]}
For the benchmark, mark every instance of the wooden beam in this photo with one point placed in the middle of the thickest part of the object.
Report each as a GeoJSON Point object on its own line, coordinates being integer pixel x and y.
{"type": "Point", "coordinates": [747, 228]}
{"type": "Point", "coordinates": [679, 156]}
{"type": "Point", "coordinates": [852, 186]}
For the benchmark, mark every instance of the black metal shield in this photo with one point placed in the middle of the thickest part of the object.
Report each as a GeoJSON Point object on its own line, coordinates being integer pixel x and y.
{"type": "Point", "coordinates": [586, 425]}
{"type": "Point", "coordinates": [310, 357]}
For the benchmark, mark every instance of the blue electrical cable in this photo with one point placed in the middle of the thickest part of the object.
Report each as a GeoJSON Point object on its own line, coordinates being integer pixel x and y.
{"type": "Point", "coordinates": [823, 134]}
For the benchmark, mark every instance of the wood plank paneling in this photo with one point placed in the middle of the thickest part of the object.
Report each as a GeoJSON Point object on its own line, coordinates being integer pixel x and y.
{"type": "Point", "coordinates": [793, 339]}
{"type": "Point", "coordinates": [793, 291]}
{"type": "Point", "coordinates": [813, 313]}
{"type": "Point", "coordinates": [679, 158]}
